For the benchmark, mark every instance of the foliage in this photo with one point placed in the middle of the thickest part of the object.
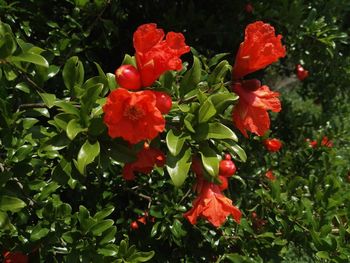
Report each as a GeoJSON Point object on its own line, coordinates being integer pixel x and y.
{"type": "Point", "coordinates": [62, 196]}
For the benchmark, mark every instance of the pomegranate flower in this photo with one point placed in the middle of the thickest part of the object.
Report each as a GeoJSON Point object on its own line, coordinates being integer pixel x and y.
{"type": "Point", "coordinates": [272, 145]}
{"type": "Point", "coordinates": [154, 54]}
{"type": "Point", "coordinates": [147, 158]}
{"type": "Point", "coordinates": [250, 113]}
{"type": "Point", "coordinates": [133, 115]}
{"type": "Point", "coordinates": [260, 48]}
{"type": "Point", "coordinates": [270, 176]}
{"type": "Point", "coordinates": [212, 205]}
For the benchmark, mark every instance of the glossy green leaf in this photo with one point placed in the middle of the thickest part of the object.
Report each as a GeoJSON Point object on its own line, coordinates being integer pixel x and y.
{"type": "Point", "coordinates": [101, 226]}
{"type": "Point", "coordinates": [129, 60]}
{"type": "Point", "coordinates": [174, 142]}
{"type": "Point", "coordinates": [104, 213]}
{"type": "Point", "coordinates": [206, 111]}
{"type": "Point", "coordinates": [23, 86]}
{"type": "Point", "coordinates": [191, 78]}
{"type": "Point", "coordinates": [215, 60]}
{"type": "Point", "coordinates": [4, 220]}
{"type": "Point", "coordinates": [49, 99]}
{"type": "Point", "coordinates": [31, 58]}
{"type": "Point", "coordinates": [215, 131]}
{"type": "Point", "coordinates": [11, 203]}
{"type": "Point", "coordinates": [222, 100]}
{"type": "Point", "coordinates": [8, 43]}
{"type": "Point", "coordinates": [209, 159]}
{"type": "Point", "coordinates": [73, 128]}
{"type": "Point", "coordinates": [141, 256]}
{"type": "Point", "coordinates": [179, 166]}
{"type": "Point", "coordinates": [38, 233]}
{"type": "Point", "coordinates": [87, 154]}
{"type": "Point", "coordinates": [73, 73]}
{"type": "Point", "coordinates": [108, 236]}
{"type": "Point", "coordinates": [67, 107]}
{"type": "Point", "coordinates": [235, 149]}
{"type": "Point", "coordinates": [219, 73]}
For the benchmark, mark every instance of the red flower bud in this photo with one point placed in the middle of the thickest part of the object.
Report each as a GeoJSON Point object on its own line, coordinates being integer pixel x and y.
{"type": "Point", "coordinates": [163, 101]}
{"type": "Point", "coordinates": [142, 220]}
{"type": "Point", "coordinates": [301, 72]}
{"type": "Point", "coordinates": [272, 145]}
{"type": "Point", "coordinates": [224, 183]}
{"type": "Point", "coordinates": [134, 225]}
{"type": "Point", "coordinates": [270, 176]}
{"type": "Point", "coordinates": [128, 77]}
{"type": "Point", "coordinates": [227, 167]}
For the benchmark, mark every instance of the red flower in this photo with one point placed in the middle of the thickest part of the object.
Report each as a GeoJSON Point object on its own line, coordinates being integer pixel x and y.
{"type": "Point", "coordinates": [301, 72]}
{"type": "Point", "coordinates": [212, 205]}
{"type": "Point", "coordinates": [147, 158]}
{"type": "Point", "coordinates": [15, 257]}
{"type": "Point", "coordinates": [260, 48]}
{"type": "Point", "coordinates": [133, 115]}
{"type": "Point", "coordinates": [154, 55]}
{"type": "Point", "coordinates": [273, 145]}
{"type": "Point", "coordinates": [269, 175]}
{"type": "Point", "coordinates": [326, 142]}
{"type": "Point", "coordinates": [250, 113]}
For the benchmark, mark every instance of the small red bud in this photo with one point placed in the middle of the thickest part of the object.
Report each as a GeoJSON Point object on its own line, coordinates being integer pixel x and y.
{"type": "Point", "coordinates": [224, 183]}
{"type": "Point", "coordinates": [142, 220]}
{"type": "Point", "coordinates": [134, 225]}
{"type": "Point", "coordinates": [227, 156]}
{"type": "Point", "coordinates": [163, 102]}
{"type": "Point", "coordinates": [128, 77]}
{"type": "Point", "coordinates": [301, 72]}
{"type": "Point", "coordinates": [227, 168]}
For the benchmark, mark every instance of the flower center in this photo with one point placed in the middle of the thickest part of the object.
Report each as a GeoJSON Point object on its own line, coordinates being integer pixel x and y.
{"type": "Point", "coordinates": [133, 112]}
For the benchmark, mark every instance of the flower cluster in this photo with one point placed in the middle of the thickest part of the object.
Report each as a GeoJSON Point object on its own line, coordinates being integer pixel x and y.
{"type": "Point", "coordinates": [135, 112]}
{"type": "Point", "coordinates": [211, 203]}
{"type": "Point", "coordinates": [260, 48]}
{"type": "Point", "coordinates": [137, 116]}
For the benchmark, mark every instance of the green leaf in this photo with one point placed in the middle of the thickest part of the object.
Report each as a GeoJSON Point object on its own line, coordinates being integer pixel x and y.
{"type": "Point", "coordinates": [4, 220]}
{"type": "Point", "coordinates": [90, 96]}
{"type": "Point", "coordinates": [215, 60]}
{"type": "Point", "coordinates": [129, 60]}
{"type": "Point", "coordinates": [209, 159]}
{"type": "Point", "coordinates": [73, 128]}
{"type": "Point", "coordinates": [215, 131]}
{"type": "Point", "coordinates": [104, 213]}
{"type": "Point", "coordinates": [87, 154]}
{"type": "Point", "coordinates": [31, 58]}
{"type": "Point", "coordinates": [322, 255]}
{"type": "Point", "coordinates": [191, 78]}
{"type": "Point", "coordinates": [101, 226]}
{"type": "Point", "coordinates": [73, 73]}
{"type": "Point", "coordinates": [110, 250]}
{"type": "Point", "coordinates": [49, 99]}
{"type": "Point", "coordinates": [206, 111]}
{"type": "Point", "coordinates": [108, 236]}
{"type": "Point", "coordinates": [222, 100]}
{"type": "Point", "coordinates": [11, 203]}
{"type": "Point", "coordinates": [67, 107]}
{"type": "Point", "coordinates": [38, 233]}
{"type": "Point", "coordinates": [8, 43]}
{"type": "Point", "coordinates": [174, 142]}
{"type": "Point", "coordinates": [23, 86]}
{"type": "Point", "coordinates": [141, 256]}
{"type": "Point", "coordinates": [235, 149]}
{"type": "Point", "coordinates": [219, 73]}
{"type": "Point", "coordinates": [178, 166]}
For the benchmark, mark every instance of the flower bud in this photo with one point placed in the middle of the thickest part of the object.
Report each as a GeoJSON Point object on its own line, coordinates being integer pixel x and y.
{"type": "Point", "coordinates": [163, 101]}
{"type": "Point", "coordinates": [128, 77]}
{"type": "Point", "coordinates": [134, 225]}
{"type": "Point", "coordinates": [227, 167]}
